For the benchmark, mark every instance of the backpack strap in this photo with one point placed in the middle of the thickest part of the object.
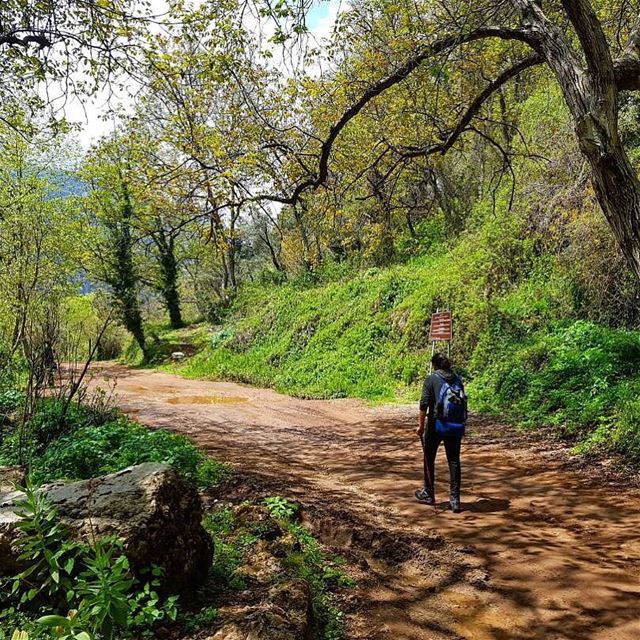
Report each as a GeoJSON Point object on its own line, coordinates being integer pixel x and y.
{"type": "Point", "coordinates": [443, 390]}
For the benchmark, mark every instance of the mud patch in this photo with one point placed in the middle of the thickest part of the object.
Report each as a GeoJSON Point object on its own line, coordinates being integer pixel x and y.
{"type": "Point", "coordinates": [207, 400]}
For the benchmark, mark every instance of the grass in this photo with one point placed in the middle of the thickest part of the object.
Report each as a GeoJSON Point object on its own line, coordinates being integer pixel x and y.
{"type": "Point", "coordinates": [365, 334]}
{"type": "Point", "coordinates": [163, 341]}
{"type": "Point", "coordinates": [332, 340]}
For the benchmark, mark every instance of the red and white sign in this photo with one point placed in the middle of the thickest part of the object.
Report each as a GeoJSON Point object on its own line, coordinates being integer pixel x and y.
{"type": "Point", "coordinates": [441, 326]}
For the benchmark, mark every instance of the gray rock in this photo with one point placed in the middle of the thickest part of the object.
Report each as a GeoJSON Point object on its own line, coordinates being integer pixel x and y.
{"type": "Point", "coordinates": [155, 513]}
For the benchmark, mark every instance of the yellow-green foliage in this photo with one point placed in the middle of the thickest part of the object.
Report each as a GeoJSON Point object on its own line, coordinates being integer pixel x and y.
{"type": "Point", "coordinates": [366, 333]}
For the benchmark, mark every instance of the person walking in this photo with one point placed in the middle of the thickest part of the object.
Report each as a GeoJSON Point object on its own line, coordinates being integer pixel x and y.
{"type": "Point", "coordinates": [442, 419]}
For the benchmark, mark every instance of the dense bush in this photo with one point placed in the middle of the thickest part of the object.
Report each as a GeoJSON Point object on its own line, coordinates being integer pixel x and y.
{"type": "Point", "coordinates": [580, 378]}
{"type": "Point", "coordinates": [85, 449]}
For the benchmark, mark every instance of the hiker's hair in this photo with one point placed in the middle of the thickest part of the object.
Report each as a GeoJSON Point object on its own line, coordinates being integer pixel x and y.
{"type": "Point", "coordinates": [441, 362]}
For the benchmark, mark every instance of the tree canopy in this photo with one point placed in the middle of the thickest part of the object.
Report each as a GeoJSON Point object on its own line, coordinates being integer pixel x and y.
{"type": "Point", "coordinates": [250, 148]}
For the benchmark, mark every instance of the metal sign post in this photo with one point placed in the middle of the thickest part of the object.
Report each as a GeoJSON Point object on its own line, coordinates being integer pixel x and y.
{"type": "Point", "coordinates": [441, 329]}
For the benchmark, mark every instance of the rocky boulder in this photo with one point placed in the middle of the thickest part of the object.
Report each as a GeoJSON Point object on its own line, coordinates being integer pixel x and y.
{"type": "Point", "coordinates": [155, 513]}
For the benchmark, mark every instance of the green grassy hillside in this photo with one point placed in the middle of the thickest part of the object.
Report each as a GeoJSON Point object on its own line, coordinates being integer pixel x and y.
{"type": "Point", "coordinates": [364, 333]}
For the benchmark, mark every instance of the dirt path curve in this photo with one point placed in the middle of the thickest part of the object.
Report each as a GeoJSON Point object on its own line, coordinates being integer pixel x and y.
{"type": "Point", "coordinates": [538, 551]}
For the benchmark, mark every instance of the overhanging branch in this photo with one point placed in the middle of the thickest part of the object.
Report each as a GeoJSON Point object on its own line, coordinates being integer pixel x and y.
{"type": "Point", "coordinates": [14, 39]}
{"type": "Point", "coordinates": [473, 109]}
{"type": "Point", "coordinates": [402, 72]}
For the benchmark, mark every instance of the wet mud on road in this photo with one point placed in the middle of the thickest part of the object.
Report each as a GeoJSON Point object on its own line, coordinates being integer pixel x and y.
{"type": "Point", "coordinates": [539, 551]}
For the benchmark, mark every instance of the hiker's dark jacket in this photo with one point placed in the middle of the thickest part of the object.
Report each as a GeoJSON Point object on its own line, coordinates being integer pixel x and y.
{"type": "Point", "coordinates": [431, 392]}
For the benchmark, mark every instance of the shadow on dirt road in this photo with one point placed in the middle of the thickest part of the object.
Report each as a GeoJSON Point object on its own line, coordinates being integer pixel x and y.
{"type": "Point", "coordinates": [538, 552]}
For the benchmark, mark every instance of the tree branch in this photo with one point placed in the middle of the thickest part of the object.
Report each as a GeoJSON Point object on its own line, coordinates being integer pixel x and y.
{"type": "Point", "coordinates": [473, 109]}
{"type": "Point", "coordinates": [504, 33]}
{"type": "Point", "coordinates": [593, 41]}
{"type": "Point", "coordinates": [402, 72]}
{"type": "Point", "coordinates": [38, 38]}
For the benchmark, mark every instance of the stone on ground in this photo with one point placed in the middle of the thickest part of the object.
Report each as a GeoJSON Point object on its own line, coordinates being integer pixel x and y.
{"type": "Point", "coordinates": [155, 513]}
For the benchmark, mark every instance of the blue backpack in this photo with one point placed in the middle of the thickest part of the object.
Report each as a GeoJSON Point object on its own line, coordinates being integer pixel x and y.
{"type": "Point", "coordinates": [451, 409]}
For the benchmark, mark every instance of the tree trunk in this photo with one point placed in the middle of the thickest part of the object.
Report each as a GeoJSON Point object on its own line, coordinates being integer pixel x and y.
{"type": "Point", "coordinates": [169, 278]}
{"type": "Point", "coordinates": [593, 103]}
{"type": "Point", "coordinates": [230, 264]}
{"type": "Point", "coordinates": [124, 280]}
{"type": "Point", "coordinates": [410, 225]}
{"type": "Point", "coordinates": [618, 191]}
{"type": "Point", "coordinates": [591, 93]}
{"type": "Point", "coordinates": [386, 246]}
{"type": "Point", "coordinates": [304, 235]}
{"type": "Point", "coordinates": [272, 250]}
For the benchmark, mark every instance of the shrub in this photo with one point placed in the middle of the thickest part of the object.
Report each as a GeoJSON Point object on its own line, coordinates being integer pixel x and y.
{"type": "Point", "coordinates": [97, 450]}
{"type": "Point", "coordinates": [579, 378]}
{"type": "Point", "coordinates": [83, 450]}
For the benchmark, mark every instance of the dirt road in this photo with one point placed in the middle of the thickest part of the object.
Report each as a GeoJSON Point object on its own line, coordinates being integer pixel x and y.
{"type": "Point", "coordinates": [539, 551]}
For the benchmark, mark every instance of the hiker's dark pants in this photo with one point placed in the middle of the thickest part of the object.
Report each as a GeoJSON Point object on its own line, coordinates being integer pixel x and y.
{"type": "Point", "coordinates": [452, 444]}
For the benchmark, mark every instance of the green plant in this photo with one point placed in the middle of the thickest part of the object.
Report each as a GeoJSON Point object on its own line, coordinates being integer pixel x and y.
{"type": "Point", "coordinates": [104, 588]}
{"type": "Point", "coordinates": [51, 420]}
{"type": "Point", "coordinates": [95, 580]}
{"type": "Point", "coordinates": [320, 571]}
{"type": "Point", "coordinates": [68, 627]}
{"type": "Point", "coordinates": [229, 551]}
{"type": "Point", "coordinates": [148, 608]}
{"type": "Point", "coordinates": [280, 508]}
{"type": "Point", "coordinates": [12, 619]}
{"type": "Point", "coordinates": [110, 598]}
{"type": "Point", "coordinates": [210, 473]}
{"type": "Point", "coordinates": [10, 399]}
{"type": "Point", "coordinates": [44, 545]}
{"type": "Point", "coordinates": [88, 451]}
{"type": "Point", "coordinates": [194, 621]}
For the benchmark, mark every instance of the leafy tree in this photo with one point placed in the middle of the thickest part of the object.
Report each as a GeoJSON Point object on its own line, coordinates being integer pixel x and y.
{"type": "Point", "coordinates": [69, 46]}
{"type": "Point", "coordinates": [40, 232]}
{"type": "Point", "coordinates": [593, 52]}
{"type": "Point", "coordinates": [111, 210]}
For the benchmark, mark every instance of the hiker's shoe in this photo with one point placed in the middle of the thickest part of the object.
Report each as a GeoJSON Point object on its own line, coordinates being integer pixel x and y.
{"type": "Point", "coordinates": [455, 504]}
{"type": "Point", "coordinates": [423, 496]}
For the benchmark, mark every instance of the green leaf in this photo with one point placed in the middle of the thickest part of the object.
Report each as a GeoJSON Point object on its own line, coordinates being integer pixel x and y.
{"type": "Point", "coordinates": [53, 621]}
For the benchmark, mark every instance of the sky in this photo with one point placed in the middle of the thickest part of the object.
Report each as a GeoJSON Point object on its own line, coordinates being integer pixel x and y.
{"type": "Point", "coordinates": [89, 115]}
